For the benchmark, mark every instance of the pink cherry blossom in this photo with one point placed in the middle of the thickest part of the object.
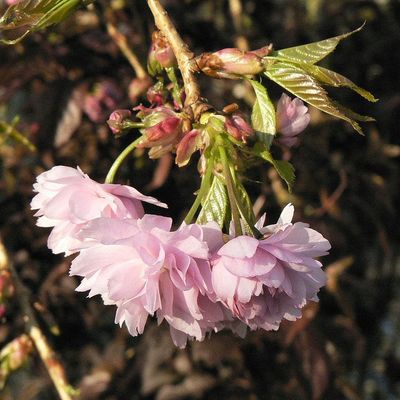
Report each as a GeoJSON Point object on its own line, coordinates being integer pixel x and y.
{"type": "Point", "coordinates": [292, 118]}
{"type": "Point", "coordinates": [144, 268]}
{"type": "Point", "coordinates": [67, 199]}
{"type": "Point", "coordinates": [267, 280]}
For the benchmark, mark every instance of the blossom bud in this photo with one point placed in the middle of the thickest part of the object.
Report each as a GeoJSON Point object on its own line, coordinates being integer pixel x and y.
{"type": "Point", "coordinates": [13, 356]}
{"type": "Point", "coordinates": [117, 119]}
{"type": "Point", "coordinates": [292, 118]}
{"type": "Point", "coordinates": [187, 146]}
{"type": "Point", "coordinates": [238, 127]}
{"type": "Point", "coordinates": [156, 94]}
{"type": "Point", "coordinates": [162, 126]}
{"type": "Point", "coordinates": [230, 63]}
{"type": "Point", "coordinates": [138, 87]}
{"type": "Point", "coordinates": [161, 54]}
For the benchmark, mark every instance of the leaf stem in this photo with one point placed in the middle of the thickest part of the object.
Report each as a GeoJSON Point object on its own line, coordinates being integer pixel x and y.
{"type": "Point", "coordinates": [200, 194]}
{"type": "Point", "coordinates": [120, 159]}
{"type": "Point", "coordinates": [229, 187]}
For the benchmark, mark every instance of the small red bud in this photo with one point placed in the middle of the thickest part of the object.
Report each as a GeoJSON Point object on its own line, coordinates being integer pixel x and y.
{"type": "Point", "coordinates": [117, 119]}
{"type": "Point", "coordinates": [230, 63]}
{"type": "Point", "coordinates": [238, 127]}
{"type": "Point", "coordinates": [160, 55]}
{"type": "Point", "coordinates": [162, 127]}
{"type": "Point", "coordinates": [156, 94]}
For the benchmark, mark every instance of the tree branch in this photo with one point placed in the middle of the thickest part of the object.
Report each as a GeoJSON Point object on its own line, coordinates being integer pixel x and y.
{"type": "Point", "coordinates": [121, 41]}
{"type": "Point", "coordinates": [46, 353]}
{"type": "Point", "coordinates": [236, 10]}
{"type": "Point", "coordinates": [184, 56]}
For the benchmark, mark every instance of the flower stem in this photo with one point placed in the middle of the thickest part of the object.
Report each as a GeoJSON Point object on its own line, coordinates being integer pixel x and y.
{"type": "Point", "coordinates": [230, 188]}
{"type": "Point", "coordinates": [200, 194]}
{"type": "Point", "coordinates": [120, 159]}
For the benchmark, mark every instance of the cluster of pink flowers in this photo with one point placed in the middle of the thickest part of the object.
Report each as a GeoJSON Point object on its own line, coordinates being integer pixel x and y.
{"type": "Point", "coordinates": [195, 277]}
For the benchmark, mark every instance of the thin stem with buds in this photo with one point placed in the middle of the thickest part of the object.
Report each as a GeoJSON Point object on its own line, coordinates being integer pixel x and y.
{"type": "Point", "coordinates": [184, 56]}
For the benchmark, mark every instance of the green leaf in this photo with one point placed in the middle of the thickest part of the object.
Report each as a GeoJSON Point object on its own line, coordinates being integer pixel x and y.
{"type": "Point", "coordinates": [296, 80]}
{"type": "Point", "coordinates": [263, 116]}
{"type": "Point", "coordinates": [332, 78]}
{"type": "Point", "coordinates": [284, 168]}
{"type": "Point", "coordinates": [352, 114]}
{"type": "Point", "coordinates": [215, 205]}
{"type": "Point", "coordinates": [33, 15]}
{"type": "Point", "coordinates": [313, 52]}
{"type": "Point", "coordinates": [245, 205]}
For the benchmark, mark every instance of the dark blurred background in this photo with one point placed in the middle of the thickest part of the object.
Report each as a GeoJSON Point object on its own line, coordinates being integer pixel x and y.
{"type": "Point", "coordinates": [64, 82]}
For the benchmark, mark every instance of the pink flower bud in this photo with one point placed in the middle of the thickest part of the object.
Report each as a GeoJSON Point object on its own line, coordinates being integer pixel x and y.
{"type": "Point", "coordinates": [187, 146]}
{"type": "Point", "coordinates": [15, 354]}
{"type": "Point", "coordinates": [162, 126]}
{"type": "Point", "coordinates": [292, 118]}
{"type": "Point", "coordinates": [138, 87]}
{"type": "Point", "coordinates": [156, 94]}
{"type": "Point", "coordinates": [160, 55]}
{"type": "Point", "coordinates": [117, 119]}
{"type": "Point", "coordinates": [161, 132]}
{"type": "Point", "coordinates": [163, 51]}
{"type": "Point", "coordinates": [238, 127]}
{"type": "Point", "coordinates": [229, 63]}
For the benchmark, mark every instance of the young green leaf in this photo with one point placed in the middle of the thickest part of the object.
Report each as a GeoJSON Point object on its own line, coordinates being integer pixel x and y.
{"type": "Point", "coordinates": [313, 52]}
{"type": "Point", "coordinates": [352, 114]}
{"type": "Point", "coordinates": [296, 80]}
{"type": "Point", "coordinates": [284, 168]}
{"type": "Point", "coordinates": [215, 205]}
{"type": "Point", "coordinates": [33, 15]}
{"type": "Point", "coordinates": [332, 78]}
{"type": "Point", "coordinates": [244, 203]}
{"type": "Point", "coordinates": [263, 115]}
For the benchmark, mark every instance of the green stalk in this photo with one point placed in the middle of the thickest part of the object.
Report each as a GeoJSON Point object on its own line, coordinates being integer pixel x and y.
{"type": "Point", "coordinates": [230, 188]}
{"type": "Point", "coordinates": [132, 125]}
{"type": "Point", "coordinates": [204, 187]}
{"type": "Point", "coordinates": [120, 159]}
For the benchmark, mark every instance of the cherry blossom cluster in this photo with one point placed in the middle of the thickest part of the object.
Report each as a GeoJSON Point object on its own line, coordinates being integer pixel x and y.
{"type": "Point", "coordinates": [196, 278]}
